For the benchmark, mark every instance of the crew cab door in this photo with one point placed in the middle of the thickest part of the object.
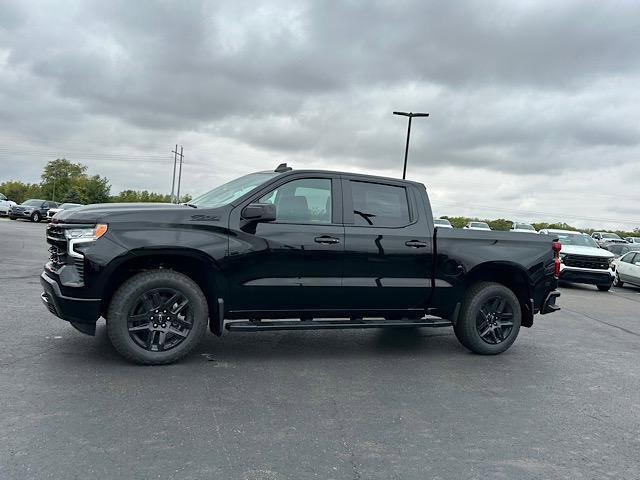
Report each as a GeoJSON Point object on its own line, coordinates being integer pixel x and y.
{"type": "Point", "coordinates": [388, 246]}
{"type": "Point", "coordinates": [294, 262]}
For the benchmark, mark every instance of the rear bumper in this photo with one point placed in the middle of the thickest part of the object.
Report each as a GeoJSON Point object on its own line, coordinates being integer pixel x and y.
{"type": "Point", "coordinates": [549, 304]}
{"type": "Point", "coordinates": [72, 309]}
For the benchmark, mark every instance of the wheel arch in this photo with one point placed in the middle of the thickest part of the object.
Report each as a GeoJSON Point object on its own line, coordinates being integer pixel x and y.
{"type": "Point", "coordinates": [512, 276]}
{"type": "Point", "coordinates": [197, 265]}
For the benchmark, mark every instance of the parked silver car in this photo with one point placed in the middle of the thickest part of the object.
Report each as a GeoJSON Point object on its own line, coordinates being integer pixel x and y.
{"type": "Point", "coordinates": [628, 269]}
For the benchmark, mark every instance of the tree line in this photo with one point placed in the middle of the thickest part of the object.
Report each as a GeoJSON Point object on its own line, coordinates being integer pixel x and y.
{"type": "Point", "coordinates": [64, 181]}
{"type": "Point", "coordinates": [505, 224]}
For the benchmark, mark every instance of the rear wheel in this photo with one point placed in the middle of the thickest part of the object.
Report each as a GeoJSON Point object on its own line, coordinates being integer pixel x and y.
{"type": "Point", "coordinates": [12, 218]}
{"type": "Point", "coordinates": [36, 217]}
{"type": "Point", "coordinates": [157, 317]}
{"type": "Point", "coordinates": [490, 319]}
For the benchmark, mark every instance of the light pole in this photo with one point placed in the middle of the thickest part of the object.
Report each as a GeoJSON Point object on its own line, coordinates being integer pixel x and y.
{"type": "Point", "coordinates": [406, 148]}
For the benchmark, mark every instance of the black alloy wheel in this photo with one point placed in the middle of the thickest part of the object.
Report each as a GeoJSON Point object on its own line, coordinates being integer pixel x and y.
{"type": "Point", "coordinates": [494, 320]}
{"type": "Point", "coordinates": [161, 319]}
{"type": "Point", "coordinates": [490, 318]}
{"type": "Point", "coordinates": [157, 317]}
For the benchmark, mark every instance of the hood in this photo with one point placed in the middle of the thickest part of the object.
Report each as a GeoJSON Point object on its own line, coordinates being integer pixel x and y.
{"type": "Point", "coordinates": [587, 251]}
{"type": "Point", "coordinates": [100, 211]}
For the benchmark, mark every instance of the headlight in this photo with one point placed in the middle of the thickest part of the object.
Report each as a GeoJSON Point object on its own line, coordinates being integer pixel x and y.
{"type": "Point", "coordinates": [92, 233]}
{"type": "Point", "coordinates": [562, 255]}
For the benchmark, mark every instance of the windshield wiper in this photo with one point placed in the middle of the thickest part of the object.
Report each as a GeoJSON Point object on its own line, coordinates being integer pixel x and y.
{"type": "Point", "coordinates": [190, 205]}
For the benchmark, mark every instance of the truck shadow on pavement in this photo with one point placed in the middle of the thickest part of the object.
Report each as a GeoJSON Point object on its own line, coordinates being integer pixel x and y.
{"type": "Point", "coordinates": [282, 345]}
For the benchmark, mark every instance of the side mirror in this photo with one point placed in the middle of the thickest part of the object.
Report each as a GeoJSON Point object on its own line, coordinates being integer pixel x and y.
{"type": "Point", "coordinates": [259, 212]}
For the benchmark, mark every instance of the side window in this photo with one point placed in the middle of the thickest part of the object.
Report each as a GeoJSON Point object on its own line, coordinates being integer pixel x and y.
{"type": "Point", "coordinates": [379, 205]}
{"type": "Point", "coordinates": [306, 200]}
{"type": "Point", "coordinates": [630, 258]}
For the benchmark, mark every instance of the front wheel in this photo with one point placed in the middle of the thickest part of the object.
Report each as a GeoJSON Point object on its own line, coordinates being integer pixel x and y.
{"type": "Point", "coordinates": [617, 282]}
{"type": "Point", "coordinates": [36, 217]}
{"type": "Point", "coordinates": [490, 319]}
{"type": "Point", "coordinates": [604, 288]}
{"type": "Point", "coordinates": [12, 218]}
{"type": "Point", "coordinates": [157, 317]}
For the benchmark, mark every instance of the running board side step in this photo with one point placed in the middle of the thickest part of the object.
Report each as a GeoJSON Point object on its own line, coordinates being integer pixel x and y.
{"type": "Point", "coordinates": [248, 326]}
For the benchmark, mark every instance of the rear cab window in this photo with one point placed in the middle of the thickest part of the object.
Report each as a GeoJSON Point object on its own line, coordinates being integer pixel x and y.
{"type": "Point", "coordinates": [379, 205]}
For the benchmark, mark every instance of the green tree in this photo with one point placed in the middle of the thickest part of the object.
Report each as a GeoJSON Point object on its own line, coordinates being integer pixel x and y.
{"type": "Point", "coordinates": [59, 177]}
{"type": "Point", "coordinates": [500, 224]}
{"type": "Point", "coordinates": [20, 191]}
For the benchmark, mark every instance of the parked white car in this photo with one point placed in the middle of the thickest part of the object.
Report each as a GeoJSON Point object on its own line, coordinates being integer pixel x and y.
{"type": "Point", "coordinates": [635, 240]}
{"type": "Point", "coordinates": [628, 269]}
{"type": "Point", "coordinates": [582, 261]}
{"type": "Point", "coordinates": [477, 226]}
{"type": "Point", "coordinates": [5, 204]}
{"type": "Point", "coordinates": [442, 223]}
{"type": "Point", "coordinates": [523, 228]}
{"type": "Point", "coordinates": [64, 206]}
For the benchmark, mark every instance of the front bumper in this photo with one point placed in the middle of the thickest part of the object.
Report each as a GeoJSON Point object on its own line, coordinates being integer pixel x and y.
{"type": "Point", "coordinates": [81, 312]}
{"type": "Point", "coordinates": [586, 275]}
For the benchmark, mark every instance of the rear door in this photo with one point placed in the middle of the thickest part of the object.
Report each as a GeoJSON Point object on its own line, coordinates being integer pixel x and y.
{"type": "Point", "coordinates": [294, 262]}
{"type": "Point", "coordinates": [625, 266]}
{"type": "Point", "coordinates": [388, 249]}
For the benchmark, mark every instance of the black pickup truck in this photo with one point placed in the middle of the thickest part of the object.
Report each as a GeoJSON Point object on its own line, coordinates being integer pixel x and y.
{"type": "Point", "coordinates": [289, 249]}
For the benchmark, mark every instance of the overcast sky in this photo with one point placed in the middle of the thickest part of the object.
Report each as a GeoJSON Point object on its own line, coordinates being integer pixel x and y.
{"type": "Point", "coordinates": [535, 106]}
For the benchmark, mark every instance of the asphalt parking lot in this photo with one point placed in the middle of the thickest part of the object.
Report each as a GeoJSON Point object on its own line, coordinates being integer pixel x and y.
{"type": "Point", "coordinates": [563, 402]}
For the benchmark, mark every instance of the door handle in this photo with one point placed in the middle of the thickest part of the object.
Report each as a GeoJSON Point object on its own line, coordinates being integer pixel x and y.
{"type": "Point", "coordinates": [415, 244]}
{"type": "Point", "coordinates": [326, 239]}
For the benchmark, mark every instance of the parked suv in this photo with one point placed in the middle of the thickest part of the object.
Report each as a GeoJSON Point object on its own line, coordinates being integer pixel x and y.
{"type": "Point", "coordinates": [603, 238]}
{"type": "Point", "coordinates": [321, 250]}
{"type": "Point", "coordinates": [582, 261]}
{"type": "Point", "coordinates": [33, 209]}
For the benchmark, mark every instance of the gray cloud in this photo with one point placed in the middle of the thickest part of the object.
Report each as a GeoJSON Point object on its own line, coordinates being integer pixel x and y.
{"type": "Point", "coordinates": [516, 90]}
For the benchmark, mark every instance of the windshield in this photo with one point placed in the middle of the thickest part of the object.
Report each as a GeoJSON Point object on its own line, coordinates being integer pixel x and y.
{"type": "Point", "coordinates": [33, 203]}
{"type": "Point", "coordinates": [230, 191]}
{"type": "Point", "coordinates": [67, 206]}
{"type": "Point", "coordinates": [576, 239]}
{"type": "Point", "coordinates": [524, 226]}
{"type": "Point", "coordinates": [440, 221]}
{"type": "Point", "coordinates": [611, 235]}
{"type": "Point", "coordinates": [479, 225]}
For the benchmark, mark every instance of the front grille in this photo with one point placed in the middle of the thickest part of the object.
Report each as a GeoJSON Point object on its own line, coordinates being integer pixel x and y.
{"type": "Point", "coordinates": [58, 253]}
{"type": "Point", "coordinates": [582, 261]}
{"type": "Point", "coordinates": [57, 257]}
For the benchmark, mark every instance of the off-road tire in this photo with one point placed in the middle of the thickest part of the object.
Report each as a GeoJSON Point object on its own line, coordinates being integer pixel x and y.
{"type": "Point", "coordinates": [604, 288]}
{"type": "Point", "coordinates": [130, 291]}
{"type": "Point", "coordinates": [466, 329]}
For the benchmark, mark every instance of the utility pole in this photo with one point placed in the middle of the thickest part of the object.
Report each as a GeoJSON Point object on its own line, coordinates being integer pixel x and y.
{"type": "Point", "coordinates": [406, 148]}
{"type": "Point", "coordinates": [173, 181]}
{"type": "Point", "coordinates": [179, 175]}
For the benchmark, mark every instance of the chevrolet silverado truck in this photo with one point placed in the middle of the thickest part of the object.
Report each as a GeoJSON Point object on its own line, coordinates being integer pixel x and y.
{"type": "Point", "coordinates": [291, 250]}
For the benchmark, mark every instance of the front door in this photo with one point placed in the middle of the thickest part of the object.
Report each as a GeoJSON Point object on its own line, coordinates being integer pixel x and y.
{"type": "Point", "coordinates": [388, 251]}
{"type": "Point", "coordinates": [295, 261]}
